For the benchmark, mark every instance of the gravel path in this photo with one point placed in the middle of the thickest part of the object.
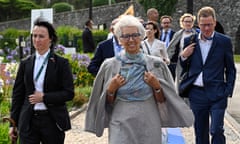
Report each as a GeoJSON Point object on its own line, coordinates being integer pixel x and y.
{"type": "Point", "coordinates": [78, 136]}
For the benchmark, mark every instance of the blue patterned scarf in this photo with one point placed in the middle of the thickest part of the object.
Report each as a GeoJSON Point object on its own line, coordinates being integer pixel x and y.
{"type": "Point", "coordinates": [132, 69]}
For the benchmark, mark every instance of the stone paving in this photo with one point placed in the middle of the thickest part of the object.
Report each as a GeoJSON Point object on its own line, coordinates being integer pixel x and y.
{"type": "Point", "coordinates": [78, 136]}
{"type": "Point", "coordinates": [234, 102]}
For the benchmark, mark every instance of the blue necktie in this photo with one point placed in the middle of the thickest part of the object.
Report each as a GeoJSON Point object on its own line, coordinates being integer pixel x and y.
{"type": "Point", "coordinates": [165, 36]}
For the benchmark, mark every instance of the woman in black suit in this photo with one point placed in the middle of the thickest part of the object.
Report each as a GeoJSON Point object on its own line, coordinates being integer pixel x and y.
{"type": "Point", "coordinates": [43, 84]}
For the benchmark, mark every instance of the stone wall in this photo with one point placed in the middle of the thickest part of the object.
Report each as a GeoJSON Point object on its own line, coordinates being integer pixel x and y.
{"type": "Point", "coordinates": [101, 15]}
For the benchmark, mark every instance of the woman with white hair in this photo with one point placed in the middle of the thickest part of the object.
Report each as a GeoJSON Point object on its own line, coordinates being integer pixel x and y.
{"type": "Point", "coordinates": [133, 93]}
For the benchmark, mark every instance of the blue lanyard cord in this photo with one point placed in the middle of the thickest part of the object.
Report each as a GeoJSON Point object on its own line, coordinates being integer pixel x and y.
{"type": "Point", "coordinates": [41, 68]}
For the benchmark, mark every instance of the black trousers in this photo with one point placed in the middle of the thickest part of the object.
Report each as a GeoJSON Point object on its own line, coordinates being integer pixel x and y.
{"type": "Point", "coordinates": [44, 130]}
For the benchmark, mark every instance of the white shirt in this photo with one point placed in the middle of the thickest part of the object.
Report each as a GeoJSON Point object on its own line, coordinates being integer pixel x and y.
{"type": "Point", "coordinates": [157, 48]}
{"type": "Point", "coordinates": [205, 46]}
{"type": "Point", "coordinates": [167, 40]}
{"type": "Point", "coordinates": [40, 81]}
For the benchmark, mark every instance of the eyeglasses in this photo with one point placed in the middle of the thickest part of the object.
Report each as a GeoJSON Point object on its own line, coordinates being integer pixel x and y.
{"type": "Point", "coordinates": [206, 25]}
{"type": "Point", "coordinates": [127, 36]}
{"type": "Point", "coordinates": [148, 29]}
{"type": "Point", "coordinates": [166, 22]}
{"type": "Point", "coordinates": [188, 21]}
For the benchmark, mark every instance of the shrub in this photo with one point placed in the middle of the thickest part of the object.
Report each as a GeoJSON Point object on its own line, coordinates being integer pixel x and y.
{"type": "Point", "coordinates": [4, 138]}
{"type": "Point", "coordinates": [79, 63]}
{"type": "Point", "coordinates": [62, 7]}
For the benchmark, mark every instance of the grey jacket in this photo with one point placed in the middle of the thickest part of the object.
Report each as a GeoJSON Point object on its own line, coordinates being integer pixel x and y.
{"type": "Point", "coordinates": [173, 112]}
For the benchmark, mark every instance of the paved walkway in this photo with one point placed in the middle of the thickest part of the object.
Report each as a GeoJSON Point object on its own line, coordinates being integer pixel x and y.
{"type": "Point", "coordinates": [234, 102]}
{"type": "Point", "coordinates": [232, 128]}
{"type": "Point", "coordinates": [78, 136]}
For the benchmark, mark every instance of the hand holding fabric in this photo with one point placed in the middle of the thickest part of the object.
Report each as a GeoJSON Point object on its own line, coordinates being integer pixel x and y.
{"type": "Point", "coordinates": [151, 80]}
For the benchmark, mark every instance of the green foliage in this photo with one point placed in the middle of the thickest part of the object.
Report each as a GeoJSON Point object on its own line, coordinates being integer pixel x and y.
{"type": "Point", "coordinates": [4, 138]}
{"type": "Point", "coordinates": [68, 34]}
{"type": "Point", "coordinates": [8, 43]}
{"type": "Point", "coordinates": [164, 7]}
{"type": "Point", "coordinates": [71, 34]}
{"type": "Point", "coordinates": [79, 63]}
{"type": "Point", "coordinates": [83, 80]}
{"type": "Point", "coordinates": [82, 95]}
{"type": "Point", "coordinates": [62, 7]}
{"type": "Point", "coordinates": [99, 35]}
{"type": "Point", "coordinates": [102, 2]}
{"type": "Point", "coordinates": [237, 58]}
{"type": "Point", "coordinates": [4, 108]}
{"type": "Point", "coordinates": [7, 74]}
{"type": "Point", "coordinates": [16, 9]}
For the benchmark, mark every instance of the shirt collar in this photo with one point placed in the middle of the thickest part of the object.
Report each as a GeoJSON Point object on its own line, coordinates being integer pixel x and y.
{"type": "Point", "coordinates": [42, 56]}
{"type": "Point", "coordinates": [200, 38]}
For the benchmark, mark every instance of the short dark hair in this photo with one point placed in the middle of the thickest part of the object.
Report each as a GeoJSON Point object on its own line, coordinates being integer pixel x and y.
{"type": "Point", "coordinates": [51, 31]}
{"type": "Point", "coordinates": [166, 16]}
{"type": "Point", "coordinates": [88, 22]}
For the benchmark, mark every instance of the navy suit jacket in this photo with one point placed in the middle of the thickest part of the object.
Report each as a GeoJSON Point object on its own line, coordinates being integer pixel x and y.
{"type": "Point", "coordinates": [58, 88]}
{"type": "Point", "coordinates": [219, 72]}
{"type": "Point", "coordinates": [170, 35]}
{"type": "Point", "coordinates": [88, 42]}
{"type": "Point", "coordinates": [105, 49]}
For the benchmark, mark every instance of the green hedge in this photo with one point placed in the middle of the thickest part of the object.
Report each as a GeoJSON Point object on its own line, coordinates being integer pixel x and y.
{"type": "Point", "coordinates": [69, 36]}
{"type": "Point", "coordinates": [62, 7]}
{"type": "Point", "coordinates": [72, 36]}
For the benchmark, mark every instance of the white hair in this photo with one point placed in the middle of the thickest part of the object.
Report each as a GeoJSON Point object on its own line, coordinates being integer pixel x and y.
{"type": "Point", "coordinates": [129, 20]}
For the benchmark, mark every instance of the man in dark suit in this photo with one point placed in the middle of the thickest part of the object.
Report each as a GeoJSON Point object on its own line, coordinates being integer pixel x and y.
{"type": "Point", "coordinates": [212, 74]}
{"type": "Point", "coordinates": [43, 84]}
{"type": "Point", "coordinates": [87, 37]}
{"type": "Point", "coordinates": [105, 49]}
{"type": "Point", "coordinates": [166, 35]}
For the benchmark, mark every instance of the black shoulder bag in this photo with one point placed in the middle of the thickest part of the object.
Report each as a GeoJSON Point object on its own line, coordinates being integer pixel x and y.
{"type": "Point", "coordinates": [185, 82]}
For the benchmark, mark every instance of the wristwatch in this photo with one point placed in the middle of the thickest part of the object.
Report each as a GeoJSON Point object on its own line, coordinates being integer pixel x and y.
{"type": "Point", "coordinates": [158, 90]}
{"type": "Point", "coordinates": [110, 94]}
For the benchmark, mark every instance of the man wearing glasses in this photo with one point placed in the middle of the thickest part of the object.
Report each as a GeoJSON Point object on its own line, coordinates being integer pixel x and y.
{"type": "Point", "coordinates": [167, 33]}
{"type": "Point", "coordinates": [211, 78]}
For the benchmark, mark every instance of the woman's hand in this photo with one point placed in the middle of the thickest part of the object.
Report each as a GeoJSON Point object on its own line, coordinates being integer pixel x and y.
{"type": "Point", "coordinates": [116, 82]}
{"type": "Point", "coordinates": [13, 134]}
{"type": "Point", "coordinates": [37, 97]}
{"type": "Point", "coordinates": [151, 80]}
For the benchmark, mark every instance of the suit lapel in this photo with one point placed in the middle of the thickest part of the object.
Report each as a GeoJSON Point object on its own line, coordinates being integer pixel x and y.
{"type": "Point", "coordinates": [49, 70]}
{"type": "Point", "coordinates": [29, 69]}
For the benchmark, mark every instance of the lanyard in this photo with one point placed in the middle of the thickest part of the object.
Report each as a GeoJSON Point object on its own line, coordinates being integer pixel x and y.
{"type": "Point", "coordinates": [41, 68]}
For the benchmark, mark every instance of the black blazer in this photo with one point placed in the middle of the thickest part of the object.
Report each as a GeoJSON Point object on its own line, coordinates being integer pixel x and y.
{"type": "Point", "coordinates": [88, 42]}
{"type": "Point", "coordinates": [104, 50]}
{"type": "Point", "coordinates": [58, 88]}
